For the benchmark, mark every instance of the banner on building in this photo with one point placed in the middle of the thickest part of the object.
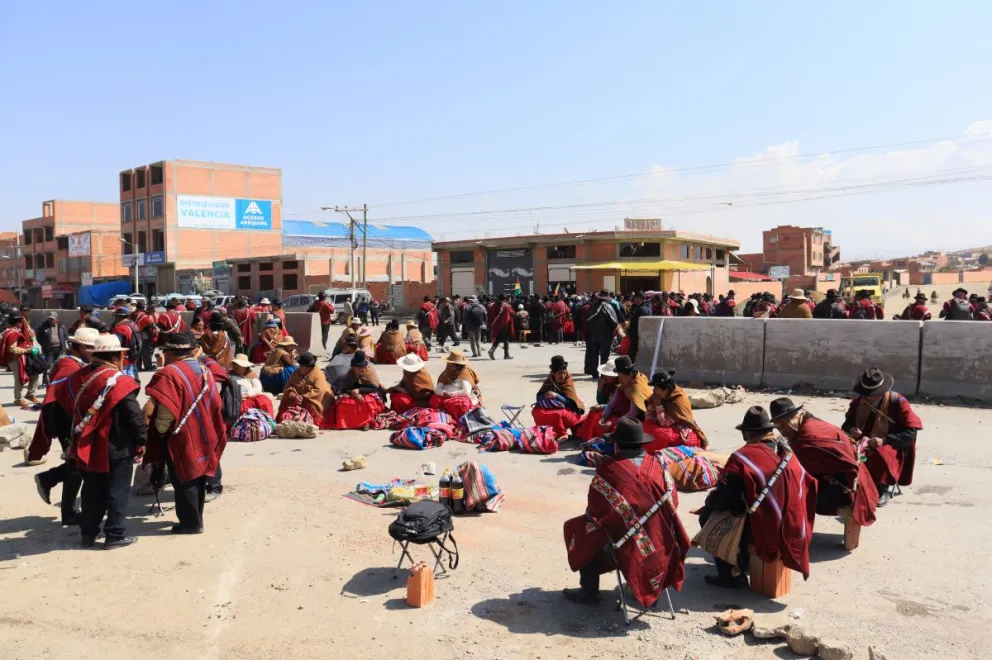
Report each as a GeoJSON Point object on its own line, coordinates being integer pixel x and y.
{"type": "Point", "coordinates": [79, 245]}
{"type": "Point", "coordinates": [200, 212]}
{"type": "Point", "coordinates": [86, 279]}
{"type": "Point", "coordinates": [46, 291]}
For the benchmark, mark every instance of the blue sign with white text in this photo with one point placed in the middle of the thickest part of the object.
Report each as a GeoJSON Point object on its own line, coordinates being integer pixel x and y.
{"type": "Point", "coordinates": [253, 214]}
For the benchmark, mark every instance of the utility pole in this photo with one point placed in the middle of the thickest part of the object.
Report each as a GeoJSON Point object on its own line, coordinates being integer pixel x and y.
{"type": "Point", "coordinates": [347, 211]}
{"type": "Point", "coordinates": [365, 245]}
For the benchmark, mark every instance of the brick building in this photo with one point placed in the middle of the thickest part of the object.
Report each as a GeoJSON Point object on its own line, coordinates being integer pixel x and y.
{"type": "Point", "coordinates": [647, 259]}
{"type": "Point", "coordinates": [44, 275]}
{"type": "Point", "coordinates": [799, 248]}
{"type": "Point", "coordinates": [179, 217]}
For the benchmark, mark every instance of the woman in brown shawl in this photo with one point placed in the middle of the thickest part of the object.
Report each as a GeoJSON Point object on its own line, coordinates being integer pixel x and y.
{"type": "Point", "coordinates": [267, 339]}
{"type": "Point", "coordinates": [308, 389]}
{"type": "Point", "coordinates": [558, 404]}
{"type": "Point", "coordinates": [360, 396]}
{"type": "Point", "coordinates": [669, 417]}
{"type": "Point", "coordinates": [415, 341]}
{"type": "Point", "coordinates": [279, 366]}
{"type": "Point", "coordinates": [631, 396]}
{"type": "Point", "coordinates": [391, 346]}
{"type": "Point", "coordinates": [365, 343]}
{"type": "Point", "coordinates": [416, 387]}
{"type": "Point", "coordinates": [457, 390]}
{"type": "Point", "coordinates": [216, 344]}
{"type": "Point", "coordinates": [350, 330]}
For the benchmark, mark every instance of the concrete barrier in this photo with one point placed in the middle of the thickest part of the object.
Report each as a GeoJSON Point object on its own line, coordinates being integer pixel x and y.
{"type": "Point", "coordinates": [712, 350]}
{"type": "Point", "coordinates": [829, 355]}
{"type": "Point", "coordinates": [956, 360]}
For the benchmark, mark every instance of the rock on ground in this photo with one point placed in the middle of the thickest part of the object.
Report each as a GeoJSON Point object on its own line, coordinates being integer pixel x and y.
{"type": "Point", "coordinates": [356, 463]}
{"type": "Point", "coordinates": [703, 399]}
{"type": "Point", "coordinates": [771, 626]}
{"type": "Point", "coordinates": [875, 654]}
{"type": "Point", "coordinates": [831, 649]}
{"type": "Point", "coordinates": [802, 640]}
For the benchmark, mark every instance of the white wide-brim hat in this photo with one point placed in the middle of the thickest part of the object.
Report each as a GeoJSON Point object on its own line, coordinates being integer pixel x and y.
{"type": "Point", "coordinates": [411, 362]}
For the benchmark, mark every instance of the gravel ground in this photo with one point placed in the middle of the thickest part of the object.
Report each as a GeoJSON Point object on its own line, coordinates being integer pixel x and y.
{"type": "Point", "coordinates": [288, 568]}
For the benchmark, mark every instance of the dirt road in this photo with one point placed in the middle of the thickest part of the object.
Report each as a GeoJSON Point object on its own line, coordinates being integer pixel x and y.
{"type": "Point", "coordinates": [288, 568]}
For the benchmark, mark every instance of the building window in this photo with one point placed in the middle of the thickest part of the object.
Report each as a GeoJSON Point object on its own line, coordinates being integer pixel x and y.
{"type": "Point", "coordinates": [49, 233]}
{"type": "Point", "coordinates": [126, 212]}
{"type": "Point", "coordinates": [773, 240]}
{"type": "Point", "coordinates": [158, 240]}
{"type": "Point", "coordinates": [289, 281]}
{"type": "Point", "coordinates": [640, 249]}
{"type": "Point", "coordinates": [462, 256]}
{"type": "Point", "coordinates": [698, 253]}
{"type": "Point", "coordinates": [62, 243]}
{"type": "Point", "coordinates": [128, 246]}
{"type": "Point", "coordinates": [265, 265]}
{"type": "Point", "coordinates": [709, 253]}
{"type": "Point", "coordinates": [244, 282]}
{"type": "Point", "coordinates": [684, 252]}
{"type": "Point", "coordinates": [719, 255]}
{"type": "Point", "coordinates": [140, 207]}
{"type": "Point", "coordinates": [39, 235]}
{"type": "Point", "coordinates": [139, 179]}
{"type": "Point", "coordinates": [265, 282]}
{"type": "Point", "coordinates": [244, 268]}
{"type": "Point", "coordinates": [156, 174]}
{"type": "Point", "coordinates": [27, 237]}
{"type": "Point", "coordinates": [157, 207]}
{"type": "Point", "coordinates": [125, 181]}
{"type": "Point", "coordinates": [28, 262]}
{"type": "Point", "coordinates": [141, 241]}
{"type": "Point", "coordinates": [39, 260]}
{"type": "Point", "coordinates": [561, 252]}
{"type": "Point", "coordinates": [290, 265]}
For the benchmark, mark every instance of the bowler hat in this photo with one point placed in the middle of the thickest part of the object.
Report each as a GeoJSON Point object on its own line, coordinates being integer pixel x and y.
{"type": "Point", "coordinates": [178, 341]}
{"type": "Point", "coordinates": [783, 407]}
{"type": "Point", "coordinates": [831, 293]}
{"type": "Point", "coordinates": [756, 419]}
{"type": "Point", "coordinates": [663, 378]}
{"type": "Point", "coordinates": [558, 364]}
{"type": "Point", "coordinates": [623, 365]}
{"type": "Point", "coordinates": [603, 294]}
{"type": "Point", "coordinates": [308, 359]}
{"type": "Point", "coordinates": [959, 290]}
{"type": "Point", "coordinates": [629, 433]}
{"type": "Point", "coordinates": [360, 360]}
{"type": "Point", "coordinates": [873, 382]}
{"type": "Point", "coordinates": [921, 296]}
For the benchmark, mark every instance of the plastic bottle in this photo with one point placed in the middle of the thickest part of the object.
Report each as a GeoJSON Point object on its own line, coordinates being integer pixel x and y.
{"type": "Point", "coordinates": [444, 489]}
{"type": "Point", "coordinates": [457, 494]}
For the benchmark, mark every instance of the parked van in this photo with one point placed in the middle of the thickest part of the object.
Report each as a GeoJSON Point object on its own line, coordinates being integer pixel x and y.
{"type": "Point", "coordinates": [338, 296]}
{"type": "Point", "coordinates": [298, 303]}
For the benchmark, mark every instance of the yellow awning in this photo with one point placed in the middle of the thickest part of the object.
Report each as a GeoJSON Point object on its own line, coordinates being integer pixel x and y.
{"type": "Point", "coordinates": [643, 266]}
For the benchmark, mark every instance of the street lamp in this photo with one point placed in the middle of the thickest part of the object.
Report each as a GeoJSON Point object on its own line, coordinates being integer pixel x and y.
{"type": "Point", "coordinates": [134, 262]}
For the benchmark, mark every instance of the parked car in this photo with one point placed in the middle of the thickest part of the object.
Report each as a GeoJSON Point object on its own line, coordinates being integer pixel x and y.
{"type": "Point", "coordinates": [338, 296]}
{"type": "Point", "coordinates": [224, 301]}
{"type": "Point", "coordinates": [298, 303]}
{"type": "Point", "coordinates": [127, 300]}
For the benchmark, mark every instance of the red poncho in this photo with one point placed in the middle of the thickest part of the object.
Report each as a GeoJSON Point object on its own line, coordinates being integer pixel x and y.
{"type": "Point", "coordinates": [125, 331]}
{"type": "Point", "coordinates": [11, 337]}
{"type": "Point", "coordinates": [57, 394]}
{"type": "Point", "coordinates": [888, 465]}
{"type": "Point", "coordinates": [500, 316]}
{"type": "Point", "coordinates": [621, 492]}
{"type": "Point", "coordinates": [196, 449]}
{"type": "Point", "coordinates": [169, 321]}
{"type": "Point", "coordinates": [782, 526]}
{"type": "Point", "coordinates": [823, 449]}
{"type": "Point", "coordinates": [558, 314]}
{"type": "Point", "coordinates": [91, 426]}
{"type": "Point", "coordinates": [433, 319]}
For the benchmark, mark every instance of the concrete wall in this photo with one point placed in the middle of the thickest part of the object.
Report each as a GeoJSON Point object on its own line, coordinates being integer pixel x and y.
{"type": "Point", "coordinates": [956, 360]}
{"type": "Point", "coordinates": [830, 354]}
{"type": "Point", "coordinates": [713, 350]}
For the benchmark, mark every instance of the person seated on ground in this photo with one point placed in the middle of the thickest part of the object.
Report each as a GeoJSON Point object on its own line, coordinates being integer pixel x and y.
{"type": "Point", "coordinates": [280, 316]}
{"type": "Point", "coordinates": [633, 392]}
{"type": "Point", "coordinates": [884, 425]}
{"type": "Point", "coordinates": [267, 339]}
{"type": "Point", "coordinates": [652, 558]}
{"type": "Point", "coordinates": [253, 394]}
{"type": "Point", "coordinates": [279, 366]}
{"type": "Point", "coordinates": [669, 419]}
{"type": "Point", "coordinates": [606, 387]}
{"type": "Point", "coordinates": [365, 343]}
{"type": "Point", "coordinates": [350, 330]}
{"type": "Point", "coordinates": [827, 453]}
{"type": "Point", "coordinates": [778, 520]}
{"type": "Point", "coordinates": [360, 395]}
{"type": "Point", "coordinates": [307, 389]}
{"type": "Point", "coordinates": [416, 387]}
{"type": "Point", "coordinates": [797, 307]}
{"type": "Point", "coordinates": [216, 343]}
{"type": "Point", "coordinates": [415, 341]}
{"type": "Point", "coordinates": [918, 311]}
{"type": "Point", "coordinates": [558, 404]}
{"type": "Point", "coordinates": [391, 346]}
{"type": "Point", "coordinates": [457, 390]}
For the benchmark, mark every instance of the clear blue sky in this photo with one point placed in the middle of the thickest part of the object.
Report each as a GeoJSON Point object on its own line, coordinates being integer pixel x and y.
{"type": "Point", "coordinates": [379, 102]}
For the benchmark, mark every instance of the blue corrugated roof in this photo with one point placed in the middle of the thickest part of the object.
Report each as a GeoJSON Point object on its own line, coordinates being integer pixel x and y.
{"type": "Point", "coordinates": [309, 229]}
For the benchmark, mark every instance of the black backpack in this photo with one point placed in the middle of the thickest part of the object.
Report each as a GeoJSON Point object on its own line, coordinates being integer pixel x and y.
{"type": "Point", "coordinates": [230, 399]}
{"type": "Point", "coordinates": [426, 522]}
{"type": "Point", "coordinates": [960, 310]}
{"type": "Point", "coordinates": [35, 365]}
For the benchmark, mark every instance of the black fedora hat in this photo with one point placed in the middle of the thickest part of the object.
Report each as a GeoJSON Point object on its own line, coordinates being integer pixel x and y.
{"type": "Point", "coordinates": [629, 433]}
{"type": "Point", "coordinates": [783, 407]}
{"type": "Point", "coordinates": [959, 290]}
{"type": "Point", "coordinates": [873, 382]}
{"type": "Point", "coordinates": [662, 378]}
{"type": "Point", "coordinates": [558, 363]}
{"type": "Point", "coordinates": [360, 360]}
{"type": "Point", "coordinates": [623, 365]}
{"type": "Point", "coordinates": [921, 296]}
{"type": "Point", "coordinates": [756, 419]}
{"type": "Point", "coordinates": [831, 293]}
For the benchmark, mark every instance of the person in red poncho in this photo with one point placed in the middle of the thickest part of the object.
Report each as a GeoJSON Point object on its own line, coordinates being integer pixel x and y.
{"type": "Point", "coordinates": [500, 327]}
{"type": "Point", "coordinates": [171, 320]}
{"type": "Point", "coordinates": [558, 404]}
{"type": "Point", "coordinates": [827, 453]}
{"type": "Point", "coordinates": [884, 424]}
{"type": "Point", "coordinates": [108, 433]}
{"type": "Point", "coordinates": [187, 432]}
{"type": "Point", "coordinates": [55, 421]}
{"type": "Point", "coordinates": [15, 344]}
{"type": "Point", "coordinates": [651, 553]}
{"type": "Point", "coordinates": [147, 326]}
{"type": "Point", "coordinates": [427, 320]}
{"type": "Point", "coordinates": [779, 518]}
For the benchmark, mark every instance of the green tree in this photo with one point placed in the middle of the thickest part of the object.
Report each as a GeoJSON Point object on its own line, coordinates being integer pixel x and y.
{"type": "Point", "coordinates": [983, 259]}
